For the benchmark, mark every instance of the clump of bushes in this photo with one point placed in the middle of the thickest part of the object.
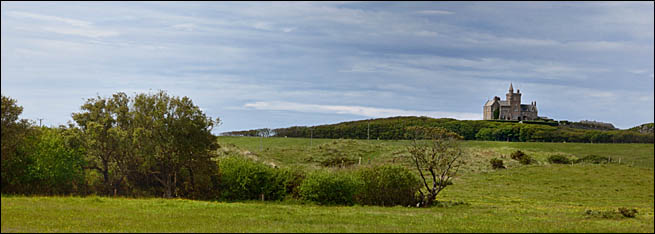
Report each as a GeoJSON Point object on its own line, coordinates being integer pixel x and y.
{"type": "Point", "coordinates": [497, 163]}
{"type": "Point", "coordinates": [244, 179]}
{"type": "Point", "coordinates": [595, 159]}
{"type": "Point", "coordinates": [293, 178]}
{"type": "Point", "coordinates": [339, 153]}
{"type": "Point", "coordinates": [522, 157]}
{"type": "Point", "coordinates": [387, 186]}
{"type": "Point", "coordinates": [621, 213]}
{"type": "Point", "coordinates": [627, 212]}
{"type": "Point", "coordinates": [559, 159]}
{"type": "Point", "coordinates": [329, 188]}
{"type": "Point", "coordinates": [338, 161]}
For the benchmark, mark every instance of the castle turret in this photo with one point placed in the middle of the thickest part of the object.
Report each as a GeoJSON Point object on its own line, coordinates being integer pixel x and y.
{"type": "Point", "coordinates": [514, 101]}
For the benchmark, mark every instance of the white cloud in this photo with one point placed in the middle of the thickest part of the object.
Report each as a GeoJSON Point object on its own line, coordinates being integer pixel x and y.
{"type": "Point", "coordinates": [426, 33]}
{"type": "Point", "coordinates": [357, 110]}
{"type": "Point", "coordinates": [85, 32]}
{"type": "Point", "coordinates": [71, 26]}
{"type": "Point", "coordinates": [185, 27]}
{"type": "Point", "coordinates": [435, 12]}
{"type": "Point", "coordinates": [73, 22]}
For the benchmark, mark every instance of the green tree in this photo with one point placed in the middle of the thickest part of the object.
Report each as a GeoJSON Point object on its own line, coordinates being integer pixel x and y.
{"type": "Point", "coordinates": [56, 161]}
{"type": "Point", "coordinates": [171, 134]}
{"type": "Point", "coordinates": [105, 125]}
{"type": "Point", "coordinates": [13, 132]}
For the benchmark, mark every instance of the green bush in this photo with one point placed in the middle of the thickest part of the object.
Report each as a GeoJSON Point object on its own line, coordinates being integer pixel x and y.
{"type": "Point", "coordinates": [497, 163]}
{"type": "Point", "coordinates": [595, 159]}
{"type": "Point", "coordinates": [522, 157]}
{"type": "Point", "coordinates": [338, 161]}
{"type": "Point", "coordinates": [559, 159]}
{"type": "Point", "coordinates": [387, 186]}
{"type": "Point", "coordinates": [628, 213]}
{"type": "Point", "coordinates": [613, 214]}
{"type": "Point", "coordinates": [293, 178]}
{"type": "Point", "coordinates": [49, 161]}
{"type": "Point", "coordinates": [329, 188]}
{"type": "Point", "coordinates": [244, 179]}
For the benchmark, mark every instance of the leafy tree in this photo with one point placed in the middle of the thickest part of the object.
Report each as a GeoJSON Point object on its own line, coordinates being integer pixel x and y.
{"type": "Point", "coordinates": [13, 132]}
{"type": "Point", "coordinates": [105, 126]}
{"type": "Point", "coordinates": [153, 142]}
{"type": "Point", "coordinates": [56, 161]}
{"type": "Point", "coordinates": [171, 134]}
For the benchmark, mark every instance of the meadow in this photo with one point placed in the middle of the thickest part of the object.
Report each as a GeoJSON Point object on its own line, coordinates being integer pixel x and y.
{"type": "Point", "coordinates": [541, 197]}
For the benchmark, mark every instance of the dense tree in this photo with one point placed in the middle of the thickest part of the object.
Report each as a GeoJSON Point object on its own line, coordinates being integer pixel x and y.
{"type": "Point", "coordinates": [105, 126]}
{"type": "Point", "coordinates": [153, 142]}
{"type": "Point", "coordinates": [13, 132]}
{"type": "Point", "coordinates": [172, 134]}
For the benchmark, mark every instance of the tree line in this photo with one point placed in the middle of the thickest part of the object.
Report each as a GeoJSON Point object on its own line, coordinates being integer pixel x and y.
{"type": "Point", "coordinates": [395, 128]}
{"type": "Point", "coordinates": [146, 145]}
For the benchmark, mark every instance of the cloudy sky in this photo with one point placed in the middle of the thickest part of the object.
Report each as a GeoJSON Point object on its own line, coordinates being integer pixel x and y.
{"type": "Point", "coordinates": [278, 64]}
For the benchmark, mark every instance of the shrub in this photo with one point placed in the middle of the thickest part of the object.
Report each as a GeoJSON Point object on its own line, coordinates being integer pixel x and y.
{"type": "Point", "coordinates": [293, 178]}
{"type": "Point", "coordinates": [628, 213]}
{"type": "Point", "coordinates": [497, 163]}
{"type": "Point", "coordinates": [521, 157]}
{"type": "Point", "coordinates": [329, 188]}
{"type": "Point", "coordinates": [613, 214]}
{"type": "Point", "coordinates": [387, 186]}
{"type": "Point", "coordinates": [244, 179]}
{"type": "Point", "coordinates": [595, 159]}
{"type": "Point", "coordinates": [517, 155]}
{"type": "Point", "coordinates": [338, 161]}
{"type": "Point", "coordinates": [559, 159]}
{"type": "Point", "coordinates": [49, 162]}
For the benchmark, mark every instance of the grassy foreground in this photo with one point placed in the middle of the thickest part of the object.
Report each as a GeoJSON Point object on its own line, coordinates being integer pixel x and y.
{"type": "Point", "coordinates": [550, 198]}
{"type": "Point", "coordinates": [536, 198]}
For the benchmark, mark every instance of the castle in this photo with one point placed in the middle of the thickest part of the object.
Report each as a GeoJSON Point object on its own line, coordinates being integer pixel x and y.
{"type": "Point", "coordinates": [510, 109]}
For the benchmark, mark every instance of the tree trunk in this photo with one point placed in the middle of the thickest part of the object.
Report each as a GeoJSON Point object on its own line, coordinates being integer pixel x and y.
{"type": "Point", "coordinates": [169, 193]}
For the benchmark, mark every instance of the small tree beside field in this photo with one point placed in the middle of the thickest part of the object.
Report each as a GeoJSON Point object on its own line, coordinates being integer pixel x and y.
{"type": "Point", "coordinates": [437, 159]}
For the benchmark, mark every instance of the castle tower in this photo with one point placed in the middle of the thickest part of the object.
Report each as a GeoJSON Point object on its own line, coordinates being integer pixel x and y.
{"type": "Point", "coordinates": [514, 100]}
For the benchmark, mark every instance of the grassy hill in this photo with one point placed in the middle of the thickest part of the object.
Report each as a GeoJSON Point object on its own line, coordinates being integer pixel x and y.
{"type": "Point", "coordinates": [288, 151]}
{"type": "Point", "coordinates": [395, 128]}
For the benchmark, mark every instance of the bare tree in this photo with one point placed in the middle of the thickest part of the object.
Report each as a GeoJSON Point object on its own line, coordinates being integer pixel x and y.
{"type": "Point", "coordinates": [437, 160]}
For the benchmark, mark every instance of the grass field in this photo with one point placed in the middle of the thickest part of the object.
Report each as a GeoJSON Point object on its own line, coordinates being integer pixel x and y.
{"type": "Point", "coordinates": [293, 151]}
{"type": "Point", "coordinates": [535, 198]}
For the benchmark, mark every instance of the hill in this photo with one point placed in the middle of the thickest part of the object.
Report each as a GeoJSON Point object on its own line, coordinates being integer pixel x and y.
{"type": "Point", "coordinates": [646, 128]}
{"type": "Point", "coordinates": [394, 128]}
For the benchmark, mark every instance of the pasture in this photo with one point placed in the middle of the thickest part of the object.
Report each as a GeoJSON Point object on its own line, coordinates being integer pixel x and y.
{"type": "Point", "coordinates": [523, 198]}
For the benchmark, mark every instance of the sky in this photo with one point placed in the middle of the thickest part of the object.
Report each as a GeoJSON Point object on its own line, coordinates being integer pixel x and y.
{"type": "Point", "coordinates": [282, 64]}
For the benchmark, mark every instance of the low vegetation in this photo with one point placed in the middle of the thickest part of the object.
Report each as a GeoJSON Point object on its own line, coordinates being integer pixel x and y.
{"type": "Point", "coordinates": [524, 199]}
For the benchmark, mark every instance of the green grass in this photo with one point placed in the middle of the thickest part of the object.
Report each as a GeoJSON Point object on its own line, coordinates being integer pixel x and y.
{"type": "Point", "coordinates": [292, 151]}
{"type": "Point", "coordinates": [536, 198]}
{"type": "Point", "coordinates": [550, 198]}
